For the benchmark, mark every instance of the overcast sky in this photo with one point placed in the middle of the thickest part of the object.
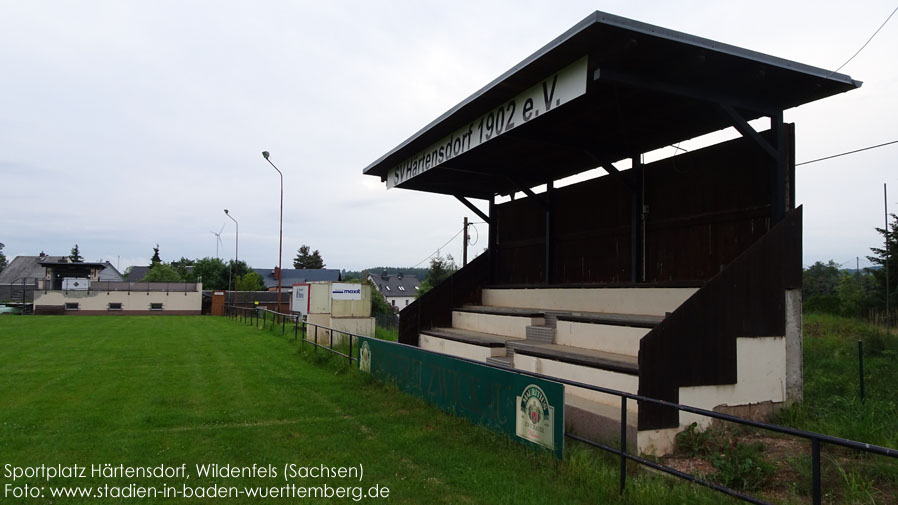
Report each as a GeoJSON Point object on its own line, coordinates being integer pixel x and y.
{"type": "Point", "coordinates": [125, 124]}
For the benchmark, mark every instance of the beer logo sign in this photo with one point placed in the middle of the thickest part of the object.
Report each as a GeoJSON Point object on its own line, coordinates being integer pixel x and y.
{"type": "Point", "coordinates": [535, 418]}
{"type": "Point", "coordinates": [365, 357]}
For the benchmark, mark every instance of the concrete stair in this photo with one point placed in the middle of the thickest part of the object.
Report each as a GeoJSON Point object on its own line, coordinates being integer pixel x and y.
{"type": "Point", "coordinates": [544, 334]}
{"type": "Point", "coordinates": [506, 361]}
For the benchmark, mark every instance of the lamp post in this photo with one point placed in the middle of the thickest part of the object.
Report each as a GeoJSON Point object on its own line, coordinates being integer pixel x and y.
{"type": "Point", "coordinates": [281, 232]}
{"type": "Point", "coordinates": [236, 246]}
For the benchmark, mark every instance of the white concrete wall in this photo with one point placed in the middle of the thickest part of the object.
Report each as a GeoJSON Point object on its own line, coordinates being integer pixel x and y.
{"type": "Point", "coordinates": [356, 325]}
{"type": "Point", "coordinates": [363, 326]}
{"type": "Point", "coordinates": [459, 349]}
{"type": "Point", "coordinates": [319, 298]}
{"type": "Point", "coordinates": [657, 442]}
{"type": "Point", "coordinates": [760, 377]}
{"type": "Point", "coordinates": [585, 374]}
{"type": "Point", "coordinates": [510, 326]}
{"type": "Point", "coordinates": [134, 301]}
{"type": "Point", "coordinates": [645, 301]}
{"type": "Point", "coordinates": [601, 337]}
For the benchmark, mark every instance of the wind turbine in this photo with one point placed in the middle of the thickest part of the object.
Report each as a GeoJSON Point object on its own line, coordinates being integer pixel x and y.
{"type": "Point", "coordinates": [218, 238]}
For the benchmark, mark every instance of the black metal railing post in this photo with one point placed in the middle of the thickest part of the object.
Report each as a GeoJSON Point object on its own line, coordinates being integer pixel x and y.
{"type": "Point", "coordinates": [283, 325]}
{"type": "Point", "coordinates": [350, 350]}
{"type": "Point", "coordinates": [815, 470]}
{"type": "Point", "coordinates": [860, 367]}
{"type": "Point", "coordinates": [623, 443]}
{"type": "Point", "coordinates": [316, 337]}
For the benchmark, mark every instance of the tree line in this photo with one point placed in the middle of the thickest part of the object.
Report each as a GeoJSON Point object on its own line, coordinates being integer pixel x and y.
{"type": "Point", "coordinates": [855, 293]}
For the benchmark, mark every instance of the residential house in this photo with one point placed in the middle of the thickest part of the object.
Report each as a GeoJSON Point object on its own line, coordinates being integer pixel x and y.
{"type": "Point", "coordinates": [23, 272]}
{"type": "Point", "coordinates": [399, 290]}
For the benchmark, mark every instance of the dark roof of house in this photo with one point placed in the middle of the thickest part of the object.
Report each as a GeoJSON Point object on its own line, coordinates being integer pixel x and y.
{"type": "Point", "coordinates": [68, 264]}
{"type": "Point", "coordinates": [291, 276]}
{"type": "Point", "coordinates": [396, 284]}
{"type": "Point", "coordinates": [646, 87]}
{"type": "Point", "coordinates": [33, 267]}
{"type": "Point", "coordinates": [25, 267]}
{"type": "Point", "coordinates": [137, 273]}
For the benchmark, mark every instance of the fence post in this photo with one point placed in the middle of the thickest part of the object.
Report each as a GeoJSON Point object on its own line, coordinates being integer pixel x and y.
{"type": "Point", "coordinates": [860, 369]}
{"type": "Point", "coordinates": [623, 443]}
{"type": "Point", "coordinates": [316, 337]}
{"type": "Point", "coordinates": [350, 350]}
{"type": "Point", "coordinates": [815, 470]}
{"type": "Point", "coordinates": [283, 325]}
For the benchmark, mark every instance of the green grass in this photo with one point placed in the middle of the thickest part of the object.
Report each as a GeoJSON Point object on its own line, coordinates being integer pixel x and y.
{"type": "Point", "coordinates": [387, 334]}
{"type": "Point", "coordinates": [143, 391]}
{"type": "Point", "coordinates": [832, 405]}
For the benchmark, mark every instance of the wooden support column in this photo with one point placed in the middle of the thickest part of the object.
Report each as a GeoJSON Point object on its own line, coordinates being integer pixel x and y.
{"type": "Point", "coordinates": [548, 273]}
{"type": "Point", "coordinates": [778, 152]}
{"type": "Point", "coordinates": [491, 242]}
{"type": "Point", "coordinates": [778, 180]}
{"type": "Point", "coordinates": [637, 218]}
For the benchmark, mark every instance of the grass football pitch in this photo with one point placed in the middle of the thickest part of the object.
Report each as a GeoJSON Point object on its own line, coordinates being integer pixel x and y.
{"type": "Point", "coordinates": [162, 394]}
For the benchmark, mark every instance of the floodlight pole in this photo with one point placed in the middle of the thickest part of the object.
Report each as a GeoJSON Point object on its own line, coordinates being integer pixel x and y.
{"type": "Point", "coordinates": [236, 246]}
{"type": "Point", "coordinates": [281, 231]}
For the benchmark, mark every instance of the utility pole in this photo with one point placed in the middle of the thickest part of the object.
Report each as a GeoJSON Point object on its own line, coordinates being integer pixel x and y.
{"type": "Point", "coordinates": [885, 203]}
{"type": "Point", "coordinates": [464, 248]}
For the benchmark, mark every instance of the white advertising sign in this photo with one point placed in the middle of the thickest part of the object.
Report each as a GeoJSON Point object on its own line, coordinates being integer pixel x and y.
{"type": "Point", "coordinates": [541, 98]}
{"type": "Point", "coordinates": [300, 300]}
{"type": "Point", "coordinates": [536, 418]}
{"type": "Point", "coordinates": [75, 284]}
{"type": "Point", "coordinates": [342, 291]}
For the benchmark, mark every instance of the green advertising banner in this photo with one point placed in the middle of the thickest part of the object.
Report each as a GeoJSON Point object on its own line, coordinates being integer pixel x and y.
{"type": "Point", "coordinates": [527, 409]}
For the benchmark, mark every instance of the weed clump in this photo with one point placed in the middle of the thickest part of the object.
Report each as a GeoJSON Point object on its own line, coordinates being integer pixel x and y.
{"type": "Point", "coordinates": [743, 466]}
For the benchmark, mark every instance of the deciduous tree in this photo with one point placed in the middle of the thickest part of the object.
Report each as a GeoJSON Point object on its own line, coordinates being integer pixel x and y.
{"type": "Point", "coordinates": [251, 281]}
{"type": "Point", "coordinates": [161, 272]}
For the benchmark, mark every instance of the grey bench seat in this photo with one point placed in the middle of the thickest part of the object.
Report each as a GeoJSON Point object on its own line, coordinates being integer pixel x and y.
{"type": "Point", "coordinates": [501, 311]}
{"type": "Point", "coordinates": [469, 337]}
{"type": "Point", "coordinates": [577, 356]}
{"type": "Point", "coordinates": [635, 320]}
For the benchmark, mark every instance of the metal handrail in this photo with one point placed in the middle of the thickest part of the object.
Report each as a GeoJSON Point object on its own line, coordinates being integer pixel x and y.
{"type": "Point", "coordinates": [296, 328]}
{"type": "Point", "coordinates": [815, 438]}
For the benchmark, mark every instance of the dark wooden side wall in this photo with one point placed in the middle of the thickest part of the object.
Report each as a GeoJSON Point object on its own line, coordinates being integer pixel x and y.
{"type": "Point", "coordinates": [704, 208]}
{"type": "Point", "coordinates": [434, 308]}
{"type": "Point", "coordinates": [696, 344]}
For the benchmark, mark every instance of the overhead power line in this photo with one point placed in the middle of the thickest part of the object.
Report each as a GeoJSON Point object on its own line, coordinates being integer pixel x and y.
{"type": "Point", "coordinates": [868, 41]}
{"type": "Point", "coordinates": [846, 153]}
{"type": "Point", "coordinates": [439, 248]}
